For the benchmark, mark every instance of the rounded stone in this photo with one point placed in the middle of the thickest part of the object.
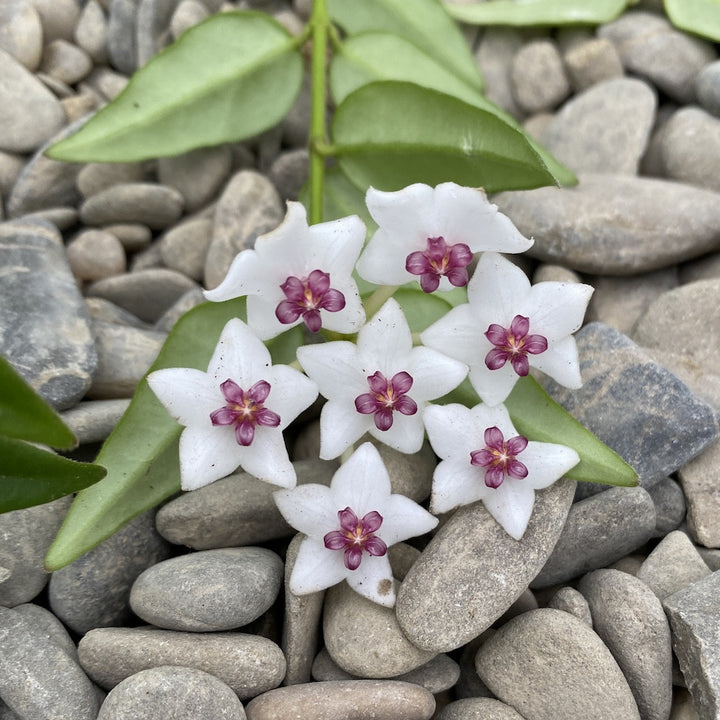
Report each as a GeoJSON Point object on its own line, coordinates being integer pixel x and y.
{"type": "Point", "coordinates": [172, 693]}
{"type": "Point", "coordinates": [66, 62]}
{"type": "Point", "coordinates": [187, 14]}
{"type": "Point", "coordinates": [95, 177]}
{"type": "Point", "coordinates": [570, 600]}
{"type": "Point", "coordinates": [95, 254]}
{"type": "Point", "coordinates": [592, 61]}
{"type": "Point", "coordinates": [184, 247]}
{"type": "Point", "coordinates": [22, 36]}
{"type": "Point", "coordinates": [707, 87]}
{"type": "Point", "coordinates": [208, 591]}
{"type": "Point", "coordinates": [91, 32]}
{"type": "Point", "coordinates": [548, 659]}
{"type": "Point", "coordinates": [58, 17]}
{"type": "Point", "coordinates": [133, 236]}
{"type": "Point", "coordinates": [539, 81]}
{"type": "Point", "coordinates": [478, 708]}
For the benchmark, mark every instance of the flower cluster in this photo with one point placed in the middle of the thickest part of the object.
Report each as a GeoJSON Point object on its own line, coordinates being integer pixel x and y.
{"type": "Point", "coordinates": [381, 380]}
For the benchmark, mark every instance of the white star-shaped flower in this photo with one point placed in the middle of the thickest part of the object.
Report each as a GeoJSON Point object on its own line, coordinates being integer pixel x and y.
{"type": "Point", "coordinates": [484, 458]}
{"type": "Point", "coordinates": [507, 325]}
{"type": "Point", "coordinates": [234, 413]}
{"type": "Point", "coordinates": [379, 385]}
{"type": "Point", "coordinates": [349, 527]}
{"type": "Point", "coordinates": [299, 273]}
{"type": "Point", "coordinates": [430, 234]}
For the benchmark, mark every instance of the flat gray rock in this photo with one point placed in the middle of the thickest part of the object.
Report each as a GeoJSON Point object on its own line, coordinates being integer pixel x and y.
{"type": "Point", "coordinates": [630, 620]}
{"type": "Point", "coordinates": [612, 224]}
{"type": "Point", "coordinates": [548, 659]}
{"type": "Point", "coordinates": [670, 506]}
{"type": "Point", "coordinates": [44, 327]}
{"type": "Point", "coordinates": [478, 708]}
{"type": "Point", "coordinates": [700, 480]}
{"type": "Point", "coordinates": [599, 530]}
{"type": "Point", "coordinates": [472, 571]}
{"type": "Point", "coordinates": [605, 128]}
{"type": "Point", "coordinates": [249, 664]}
{"type": "Point", "coordinates": [694, 615]}
{"type": "Point", "coordinates": [95, 177]}
{"type": "Point", "coordinates": [212, 590]}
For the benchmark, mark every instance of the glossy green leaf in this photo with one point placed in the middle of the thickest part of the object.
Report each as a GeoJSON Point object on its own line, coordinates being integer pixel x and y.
{"type": "Point", "coordinates": [32, 476]}
{"type": "Point", "coordinates": [538, 12]}
{"type": "Point", "coordinates": [701, 17]}
{"type": "Point", "coordinates": [228, 78]}
{"type": "Point", "coordinates": [423, 22]}
{"type": "Point", "coordinates": [141, 454]}
{"type": "Point", "coordinates": [392, 134]}
{"type": "Point", "coordinates": [26, 416]}
{"type": "Point", "coordinates": [362, 59]}
{"type": "Point", "coordinates": [421, 309]}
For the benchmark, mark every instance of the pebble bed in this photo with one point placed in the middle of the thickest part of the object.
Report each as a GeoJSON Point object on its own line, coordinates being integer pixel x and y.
{"type": "Point", "coordinates": [609, 607]}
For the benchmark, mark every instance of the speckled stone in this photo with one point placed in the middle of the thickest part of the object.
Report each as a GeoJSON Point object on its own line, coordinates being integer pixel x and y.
{"type": "Point", "coordinates": [494, 57]}
{"type": "Point", "coordinates": [539, 81]}
{"type": "Point", "coordinates": [21, 35]}
{"type": "Point", "coordinates": [95, 254]}
{"type": "Point", "coordinates": [670, 507]}
{"type": "Point", "coordinates": [184, 247]}
{"type": "Point", "coordinates": [91, 31]}
{"type": "Point", "coordinates": [592, 61]}
{"type": "Point", "coordinates": [66, 62]}
{"type": "Point", "coordinates": [700, 480]}
{"type": "Point", "coordinates": [95, 177]}
{"type": "Point", "coordinates": [94, 420]}
{"type": "Point", "coordinates": [570, 600]}
{"type": "Point", "coordinates": [478, 708]}
{"type": "Point", "coordinates": [187, 14]}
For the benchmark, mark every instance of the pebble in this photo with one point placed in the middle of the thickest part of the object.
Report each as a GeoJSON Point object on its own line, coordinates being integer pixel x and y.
{"type": "Point", "coordinates": [548, 659]}
{"type": "Point", "coordinates": [592, 61]}
{"type": "Point", "coordinates": [184, 247]}
{"type": "Point", "coordinates": [154, 205]}
{"type": "Point", "coordinates": [95, 177]}
{"type": "Point", "coordinates": [94, 420]}
{"type": "Point", "coordinates": [570, 600]}
{"type": "Point", "coordinates": [58, 17]}
{"type": "Point", "coordinates": [78, 106]}
{"type": "Point", "coordinates": [94, 591]}
{"type": "Point", "coordinates": [62, 218]}
{"type": "Point", "coordinates": [208, 591]}
{"type": "Point", "coordinates": [636, 407]}
{"type": "Point", "coordinates": [133, 236]}
{"type": "Point", "coordinates": [539, 81]}
{"type": "Point", "coordinates": [44, 621]}
{"type": "Point", "coordinates": [494, 57]}
{"type": "Point", "coordinates": [694, 615]}
{"type": "Point", "coordinates": [187, 301]}
{"type": "Point", "coordinates": [289, 172]}
{"type": "Point", "coordinates": [630, 620]}
{"type": "Point", "coordinates": [95, 254]}
{"type": "Point", "coordinates": [122, 35]}
{"type": "Point", "coordinates": [91, 32]}
{"type": "Point", "coordinates": [605, 128]}
{"type": "Point", "coordinates": [669, 502]}
{"type": "Point", "coordinates": [22, 37]}
{"type": "Point", "coordinates": [707, 87]}
{"type": "Point", "coordinates": [66, 62]}
{"type": "Point", "coordinates": [700, 480]}
{"type": "Point", "coordinates": [187, 14]}
{"type": "Point", "coordinates": [172, 693]}
{"type": "Point", "coordinates": [249, 664]}
{"type": "Point", "coordinates": [613, 224]}
{"type": "Point", "coordinates": [22, 95]}
{"type": "Point", "coordinates": [153, 23]}
{"type": "Point", "coordinates": [104, 311]}
{"type": "Point", "coordinates": [672, 565]}
{"type": "Point", "coordinates": [11, 166]}
{"type": "Point", "coordinates": [338, 700]}
{"type": "Point", "coordinates": [38, 678]}
{"type": "Point", "coordinates": [599, 530]}
{"type": "Point", "coordinates": [478, 708]}
{"type": "Point", "coordinates": [457, 589]}
{"type": "Point", "coordinates": [44, 329]}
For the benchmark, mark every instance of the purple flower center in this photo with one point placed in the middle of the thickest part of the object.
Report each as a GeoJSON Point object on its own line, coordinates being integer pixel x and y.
{"type": "Point", "coordinates": [500, 457]}
{"type": "Point", "coordinates": [440, 259]}
{"type": "Point", "coordinates": [386, 396]}
{"type": "Point", "coordinates": [355, 536]}
{"type": "Point", "coordinates": [245, 410]}
{"type": "Point", "coordinates": [513, 344]}
{"type": "Point", "coordinates": [307, 297]}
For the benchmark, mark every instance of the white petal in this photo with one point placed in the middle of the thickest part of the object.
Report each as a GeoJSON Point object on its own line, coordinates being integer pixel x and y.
{"type": "Point", "coordinates": [408, 213]}
{"type": "Point", "coordinates": [385, 340]}
{"type": "Point", "coordinates": [406, 434]}
{"type": "Point", "coordinates": [511, 505]}
{"type": "Point", "coordinates": [262, 318]}
{"type": "Point", "coordinates": [189, 395]}
{"type": "Point", "coordinates": [404, 519]}
{"type": "Point", "coordinates": [434, 374]}
{"type": "Point", "coordinates": [466, 216]}
{"type": "Point", "coordinates": [267, 458]}
{"type": "Point", "coordinates": [560, 361]}
{"type": "Point", "coordinates": [455, 483]}
{"type": "Point", "coordinates": [291, 392]}
{"type": "Point", "coordinates": [335, 367]}
{"type": "Point", "coordinates": [362, 482]}
{"type": "Point", "coordinates": [373, 580]}
{"type": "Point", "coordinates": [493, 386]}
{"type": "Point", "coordinates": [245, 276]}
{"type": "Point", "coordinates": [207, 454]}
{"type": "Point", "coordinates": [495, 290]}
{"type": "Point", "coordinates": [450, 431]}
{"type": "Point", "coordinates": [457, 335]}
{"type": "Point", "coordinates": [239, 355]}
{"type": "Point", "coordinates": [547, 462]}
{"type": "Point", "coordinates": [352, 317]}
{"type": "Point", "coordinates": [340, 426]}
{"type": "Point", "coordinates": [316, 568]}
{"type": "Point", "coordinates": [556, 309]}
{"type": "Point", "coordinates": [283, 251]}
{"type": "Point", "coordinates": [383, 260]}
{"type": "Point", "coordinates": [486, 416]}
{"type": "Point", "coordinates": [334, 246]}
{"type": "Point", "coordinates": [309, 509]}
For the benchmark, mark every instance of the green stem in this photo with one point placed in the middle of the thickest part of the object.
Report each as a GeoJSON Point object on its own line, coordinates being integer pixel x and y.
{"type": "Point", "coordinates": [320, 22]}
{"type": "Point", "coordinates": [378, 298]}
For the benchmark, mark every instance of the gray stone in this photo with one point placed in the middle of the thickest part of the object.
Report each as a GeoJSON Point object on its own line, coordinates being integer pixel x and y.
{"type": "Point", "coordinates": [616, 224]}
{"type": "Point", "coordinates": [207, 591]}
{"type": "Point", "coordinates": [187, 301]}
{"type": "Point", "coordinates": [121, 35]}
{"type": "Point", "coordinates": [234, 511]}
{"type": "Point", "coordinates": [538, 78]}
{"type": "Point", "coordinates": [630, 564]}
{"type": "Point", "coordinates": [39, 680]}
{"type": "Point", "coordinates": [102, 310]}
{"type": "Point", "coordinates": [94, 591]}
{"type": "Point", "coordinates": [94, 420]}
{"type": "Point", "coordinates": [59, 88]}
{"type": "Point", "coordinates": [630, 620]}
{"type": "Point", "coordinates": [548, 659]}
{"type": "Point", "coordinates": [104, 82]}
{"type": "Point", "coordinates": [672, 565]}
{"type": "Point", "coordinates": [650, 47]}
{"type": "Point", "coordinates": [554, 273]}
{"type": "Point", "coordinates": [339, 700]}
{"type": "Point", "coordinates": [711, 557]}
{"type": "Point", "coordinates": [46, 623]}
{"type": "Point", "coordinates": [458, 588]}
{"type": "Point", "coordinates": [62, 218]}
{"type": "Point", "coordinates": [95, 177]}
{"type": "Point", "coordinates": [80, 105]}
{"type": "Point", "coordinates": [669, 502]}
{"type": "Point", "coordinates": [700, 480]}
{"type": "Point", "coordinates": [639, 409]}
{"type": "Point", "coordinates": [152, 28]}
{"type": "Point", "coordinates": [249, 664]}
{"type": "Point", "coordinates": [147, 259]}
{"type": "Point", "coordinates": [66, 62]}
{"type": "Point", "coordinates": [154, 205]}
{"type": "Point", "coordinates": [44, 328]}
{"type": "Point", "coordinates": [592, 61]}
{"type": "Point", "coordinates": [133, 236]}
{"type": "Point", "coordinates": [91, 31]}
{"type": "Point", "coordinates": [707, 87]}
{"type": "Point", "coordinates": [187, 14]}
{"type": "Point", "coordinates": [694, 616]}
{"type": "Point", "coordinates": [605, 128]}
{"type": "Point", "coordinates": [249, 206]}
{"type": "Point", "coordinates": [289, 172]}
{"type": "Point", "coordinates": [568, 599]}
{"type": "Point", "coordinates": [599, 530]}
{"type": "Point", "coordinates": [478, 708]}
{"type": "Point", "coordinates": [95, 254]}
{"type": "Point", "coordinates": [58, 17]}
{"type": "Point", "coordinates": [185, 247]}
{"type": "Point", "coordinates": [21, 36]}
{"type": "Point", "coordinates": [295, 126]}
{"type": "Point", "coordinates": [23, 96]}
{"type": "Point", "coordinates": [682, 707]}
{"type": "Point", "coordinates": [172, 693]}
{"type": "Point", "coordinates": [494, 58]}
{"type": "Point", "coordinates": [11, 166]}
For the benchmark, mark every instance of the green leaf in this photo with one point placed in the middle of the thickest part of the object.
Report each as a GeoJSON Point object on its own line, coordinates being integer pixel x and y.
{"type": "Point", "coordinates": [141, 454]}
{"type": "Point", "coordinates": [26, 416]}
{"type": "Point", "coordinates": [228, 78]}
{"type": "Point", "coordinates": [701, 17]}
{"type": "Point", "coordinates": [362, 59]}
{"type": "Point", "coordinates": [420, 308]}
{"type": "Point", "coordinates": [423, 22]}
{"type": "Point", "coordinates": [32, 476]}
{"type": "Point", "coordinates": [391, 134]}
{"type": "Point", "coordinates": [538, 12]}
